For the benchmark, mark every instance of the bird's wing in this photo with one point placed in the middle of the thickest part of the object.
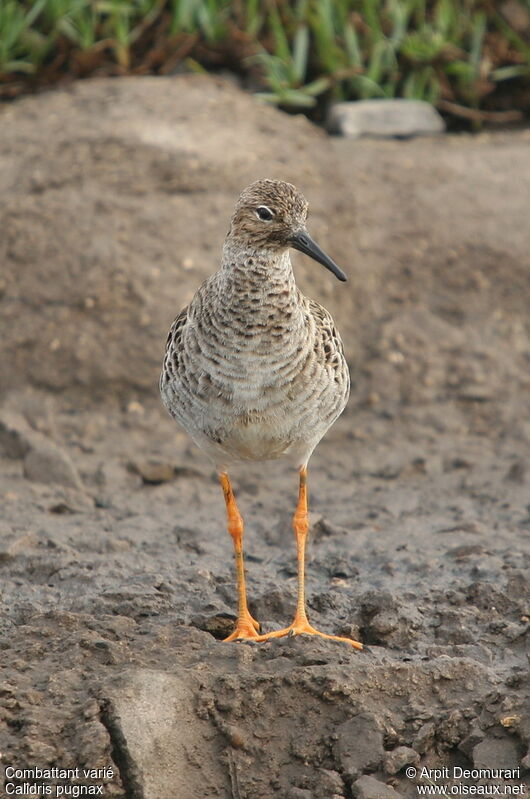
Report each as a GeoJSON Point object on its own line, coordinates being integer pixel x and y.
{"type": "Point", "coordinates": [174, 346]}
{"type": "Point", "coordinates": [328, 339]}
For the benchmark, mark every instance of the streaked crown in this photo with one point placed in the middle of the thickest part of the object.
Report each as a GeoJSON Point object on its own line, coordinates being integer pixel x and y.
{"type": "Point", "coordinates": [268, 213]}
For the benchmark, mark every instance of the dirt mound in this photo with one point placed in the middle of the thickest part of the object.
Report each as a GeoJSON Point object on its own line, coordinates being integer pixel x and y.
{"type": "Point", "coordinates": [116, 198]}
{"type": "Point", "coordinates": [440, 226]}
{"type": "Point", "coordinates": [115, 566]}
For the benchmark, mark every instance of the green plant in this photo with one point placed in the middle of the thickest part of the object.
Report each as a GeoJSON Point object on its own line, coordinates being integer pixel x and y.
{"type": "Point", "coordinates": [286, 69]}
{"type": "Point", "coordinates": [207, 17]}
{"type": "Point", "coordinates": [22, 47]}
{"type": "Point", "coordinates": [457, 52]}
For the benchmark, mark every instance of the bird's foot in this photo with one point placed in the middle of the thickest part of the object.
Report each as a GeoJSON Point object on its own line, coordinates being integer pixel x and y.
{"type": "Point", "coordinates": [301, 626]}
{"type": "Point", "coordinates": [247, 628]}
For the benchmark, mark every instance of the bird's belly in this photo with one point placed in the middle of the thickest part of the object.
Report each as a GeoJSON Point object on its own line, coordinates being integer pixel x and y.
{"type": "Point", "coordinates": [258, 438]}
{"type": "Point", "coordinates": [237, 412]}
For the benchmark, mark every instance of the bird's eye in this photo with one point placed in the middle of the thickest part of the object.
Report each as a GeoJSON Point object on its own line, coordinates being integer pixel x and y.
{"type": "Point", "coordinates": [264, 213]}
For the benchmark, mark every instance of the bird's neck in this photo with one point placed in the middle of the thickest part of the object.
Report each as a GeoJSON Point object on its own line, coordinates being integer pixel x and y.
{"type": "Point", "coordinates": [256, 273]}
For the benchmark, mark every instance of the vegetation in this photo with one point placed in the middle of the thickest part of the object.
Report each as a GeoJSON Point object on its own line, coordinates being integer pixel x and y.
{"type": "Point", "coordinates": [470, 57]}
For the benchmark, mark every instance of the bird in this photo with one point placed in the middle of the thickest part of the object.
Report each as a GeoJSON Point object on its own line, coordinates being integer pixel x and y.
{"type": "Point", "coordinates": [254, 370]}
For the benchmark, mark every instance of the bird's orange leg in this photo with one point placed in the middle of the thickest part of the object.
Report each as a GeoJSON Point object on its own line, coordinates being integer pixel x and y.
{"type": "Point", "coordinates": [301, 623]}
{"type": "Point", "coordinates": [246, 626]}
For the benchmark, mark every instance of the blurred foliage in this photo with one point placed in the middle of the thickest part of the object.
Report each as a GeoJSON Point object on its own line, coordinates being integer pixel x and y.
{"type": "Point", "coordinates": [467, 54]}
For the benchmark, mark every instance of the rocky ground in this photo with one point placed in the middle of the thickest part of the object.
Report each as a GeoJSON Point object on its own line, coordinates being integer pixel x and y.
{"type": "Point", "coordinates": [116, 571]}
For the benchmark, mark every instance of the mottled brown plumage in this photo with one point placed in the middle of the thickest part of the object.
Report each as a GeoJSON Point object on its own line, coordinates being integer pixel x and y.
{"type": "Point", "coordinates": [253, 369]}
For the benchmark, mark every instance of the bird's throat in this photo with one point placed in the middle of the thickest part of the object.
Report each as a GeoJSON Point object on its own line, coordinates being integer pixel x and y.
{"type": "Point", "coordinates": [258, 282]}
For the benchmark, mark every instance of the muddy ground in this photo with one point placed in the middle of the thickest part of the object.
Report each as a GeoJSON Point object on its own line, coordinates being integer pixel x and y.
{"type": "Point", "coordinates": [116, 570]}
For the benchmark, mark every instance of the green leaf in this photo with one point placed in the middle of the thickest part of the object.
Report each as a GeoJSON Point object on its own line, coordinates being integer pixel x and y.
{"type": "Point", "coordinates": [281, 43]}
{"type": "Point", "coordinates": [477, 39]}
{"type": "Point", "coordinates": [507, 73]}
{"type": "Point", "coordinates": [300, 51]}
{"type": "Point", "coordinates": [352, 46]}
{"type": "Point", "coordinates": [317, 87]}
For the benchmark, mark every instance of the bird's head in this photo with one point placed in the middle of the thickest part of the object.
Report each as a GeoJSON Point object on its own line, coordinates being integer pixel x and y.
{"type": "Point", "coordinates": [271, 215]}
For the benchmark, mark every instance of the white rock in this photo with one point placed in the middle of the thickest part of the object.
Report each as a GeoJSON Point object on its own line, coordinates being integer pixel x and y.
{"type": "Point", "coordinates": [399, 758]}
{"type": "Point", "coordinates": [369, 788]}
{"type": "Point", "coordinates": [153, 719]}
{"type": "Point", "coordinates": [44, 461]}
{"type": "Point", "coordinates": [385, 118]}
{"type": "Point", "coordinates": [359, 744]}
{"type": "Point", "coordinates": [48, 463]}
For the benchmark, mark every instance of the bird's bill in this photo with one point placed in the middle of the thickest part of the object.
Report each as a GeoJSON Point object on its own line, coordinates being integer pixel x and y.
{"type": "Point", "coordinates": [302, 241]}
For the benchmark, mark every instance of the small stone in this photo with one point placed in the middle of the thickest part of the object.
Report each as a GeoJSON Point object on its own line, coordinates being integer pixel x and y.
{"type": "Point", "coordinates": [70, 500]}
{"type": "Point", "coordinates": [424, 737]}
{"type": "Point", "coordinates": [154, 717]}
{"type": "Point", "coordinates": [61, 508]}
{"type": "Point", "coordinates": [476, 393]}
{"type": "Point", "coordinates": [236, 737]}
{"type": "Point", "coordinates": [383, 624]}
{"type": "Point", "coordinates": [467, 744]}
{"type": "Point", "coordinates": [399, 757]}
{"type": "Point", "coordinates": [369, 788]}
{"type": "Point", "coordinates": [14, 545]}
{"type": "Point", "coordinates": [220, 625]}
{"type": "Point", "coordinates": [516, 473]}
{"type": "Point", "coordinates": [465, 551]}
{"type": "Point", "coordinates": [41, 752]}
{"type": "Point", "coordinates": [44, 461]}
{"type": "Point", "coordinates": [91, 709]}
{"type": "Point", "coordinates": [33, 697]}
{"type": "Point", "coordinates": [321, 528]}
{"type": "Point", "coordinates": [359, 745]}
{"type": "Point", "coordinates": [385, 118]}
{"type": "Point", "coordinates": [154, 472]}
{"type": "Point", "coordinates": [14, 435]}
{"type": "Point", "coordinates": [47, 463]}
{"type": "Point", "coordinates": [119, 545]}
{"type": "Point", "coordinates": [511, 721]}
{"type": "Point", "coordinates": [330, 782]}
{"type": "Point", "coordinates": [299, 793]}
{"type": "Point", "coordinates": [496, 753]}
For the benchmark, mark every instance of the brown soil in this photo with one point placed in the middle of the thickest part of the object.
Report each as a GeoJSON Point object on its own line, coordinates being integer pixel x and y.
{"type": "Point", "coordinates": [116, 570]}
